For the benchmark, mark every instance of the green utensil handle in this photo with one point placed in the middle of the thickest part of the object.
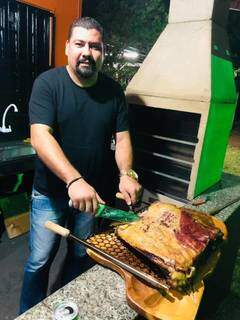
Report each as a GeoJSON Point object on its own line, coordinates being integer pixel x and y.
{"type": "Point", "coordinates": [107, 212]}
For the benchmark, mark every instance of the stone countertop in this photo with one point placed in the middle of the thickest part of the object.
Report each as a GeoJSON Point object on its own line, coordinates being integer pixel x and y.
{"type": "Point", "coordinates": [220, 195]}
{"type": "Point", "coordinates": [99, 294]}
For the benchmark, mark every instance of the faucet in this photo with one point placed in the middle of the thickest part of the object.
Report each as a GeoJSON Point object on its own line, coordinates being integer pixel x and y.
{"type": "Point", "coordinates": [3, 128]}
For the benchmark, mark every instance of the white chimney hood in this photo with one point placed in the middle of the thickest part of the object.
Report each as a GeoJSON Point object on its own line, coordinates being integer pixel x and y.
{"type": "Point", "coordinates": [187, 75]}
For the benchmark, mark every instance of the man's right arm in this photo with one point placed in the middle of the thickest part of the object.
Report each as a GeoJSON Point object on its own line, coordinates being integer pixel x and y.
{"type": "Point", "coordinates": [83, 196]}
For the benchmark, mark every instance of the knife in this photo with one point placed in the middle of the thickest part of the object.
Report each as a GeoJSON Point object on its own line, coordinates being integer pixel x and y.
{"type": "Point", "coordinates": [106, 212]}
{"type": "Point", "coordinates": [66, 233]}
{"type": "Point", "coordinates": [120, 196]}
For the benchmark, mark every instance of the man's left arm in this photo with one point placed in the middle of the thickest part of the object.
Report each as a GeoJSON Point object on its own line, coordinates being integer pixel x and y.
{"type": "Point", "coordinates": [128, 186]}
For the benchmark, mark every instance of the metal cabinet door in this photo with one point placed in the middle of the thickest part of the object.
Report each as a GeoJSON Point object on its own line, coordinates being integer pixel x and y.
{"type": "Point", "coordinates": [26, 41]}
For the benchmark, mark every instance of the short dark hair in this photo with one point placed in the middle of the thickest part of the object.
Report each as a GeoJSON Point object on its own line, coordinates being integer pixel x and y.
{"type": "Point", "coordinates": [86, 23]}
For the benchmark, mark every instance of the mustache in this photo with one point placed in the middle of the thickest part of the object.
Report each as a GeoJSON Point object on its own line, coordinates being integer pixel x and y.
{"type": "Point", "coordinates": [89, 59]}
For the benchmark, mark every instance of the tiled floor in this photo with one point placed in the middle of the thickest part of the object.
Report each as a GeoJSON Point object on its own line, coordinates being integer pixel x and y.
{"type": "Point", "coordinates": [13, 255]}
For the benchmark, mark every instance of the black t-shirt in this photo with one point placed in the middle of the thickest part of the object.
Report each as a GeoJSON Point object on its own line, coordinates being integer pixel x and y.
{"type": "Point", "coordinates": [83, 122]}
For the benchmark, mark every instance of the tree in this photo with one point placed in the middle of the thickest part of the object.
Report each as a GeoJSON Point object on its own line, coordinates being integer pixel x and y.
{"type": "Point", "coordinates": [135, 23]}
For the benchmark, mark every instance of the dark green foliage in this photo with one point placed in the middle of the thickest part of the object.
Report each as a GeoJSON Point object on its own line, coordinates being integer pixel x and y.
{"type": "Point", "coordinates": [135, 23]}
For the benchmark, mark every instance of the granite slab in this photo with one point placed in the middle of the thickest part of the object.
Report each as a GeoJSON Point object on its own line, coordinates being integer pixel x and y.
{"type": "Point", "coordinates": [99, 294]}
{"type": "Point", "coordinates": [220, 195]}
{"type": "Point", "coordinates": [38, 312]}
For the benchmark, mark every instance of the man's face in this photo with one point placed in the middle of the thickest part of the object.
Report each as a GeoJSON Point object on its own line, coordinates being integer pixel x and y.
{"type": "Point", "coordinates": [85, 51]}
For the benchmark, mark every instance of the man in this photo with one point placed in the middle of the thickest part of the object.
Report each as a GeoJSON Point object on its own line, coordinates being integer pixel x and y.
{"type": "Point", "coordinates": [74, 112]}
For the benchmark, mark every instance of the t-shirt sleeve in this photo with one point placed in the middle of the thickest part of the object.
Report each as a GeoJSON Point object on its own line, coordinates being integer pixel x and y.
{"type": "Point", "coordinates": [42, 108]}
{"type": "Point", "coordinates": [122, 123]}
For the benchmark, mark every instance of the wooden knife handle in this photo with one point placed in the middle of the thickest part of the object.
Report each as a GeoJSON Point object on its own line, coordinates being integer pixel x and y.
{"type": "Point", "coordinates": [57, 229]}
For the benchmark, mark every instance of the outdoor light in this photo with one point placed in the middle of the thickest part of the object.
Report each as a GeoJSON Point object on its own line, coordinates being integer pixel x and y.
{"type": "Point", "coordinates": [130, 54]}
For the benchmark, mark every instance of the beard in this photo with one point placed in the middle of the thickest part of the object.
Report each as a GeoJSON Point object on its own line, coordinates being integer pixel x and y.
{"type": "Point", "coordinates": [86, 71]}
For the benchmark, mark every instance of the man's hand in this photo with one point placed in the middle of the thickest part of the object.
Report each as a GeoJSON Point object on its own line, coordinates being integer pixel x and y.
{"type": "Point", "coordinates": [84, 197]}
{"type": "Point", "coordinates": [130, 189]}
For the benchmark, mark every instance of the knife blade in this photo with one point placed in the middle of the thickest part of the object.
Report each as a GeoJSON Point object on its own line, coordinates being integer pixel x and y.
{"type": "Point", "coordinates": [120, 196]}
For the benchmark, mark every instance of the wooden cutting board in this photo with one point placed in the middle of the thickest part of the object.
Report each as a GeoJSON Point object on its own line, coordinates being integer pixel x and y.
{"type": "Point", "coordinates": [147, 301]}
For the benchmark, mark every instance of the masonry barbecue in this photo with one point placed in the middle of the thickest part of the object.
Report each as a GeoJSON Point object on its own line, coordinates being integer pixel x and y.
{"type": "Point", "coordinates": [182, 102]}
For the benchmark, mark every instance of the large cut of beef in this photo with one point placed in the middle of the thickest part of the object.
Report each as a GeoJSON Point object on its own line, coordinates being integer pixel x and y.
{"type": "Point", "coordinates": [173, 239]}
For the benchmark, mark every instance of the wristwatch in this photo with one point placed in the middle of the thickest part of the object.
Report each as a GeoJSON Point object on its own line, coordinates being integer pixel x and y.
{"type": "Point", "coordinates": [131, 173]}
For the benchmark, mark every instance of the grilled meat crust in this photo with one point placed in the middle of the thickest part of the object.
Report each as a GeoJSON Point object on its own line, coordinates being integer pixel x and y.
{"type": "Point", "coordinates": [171, 237]}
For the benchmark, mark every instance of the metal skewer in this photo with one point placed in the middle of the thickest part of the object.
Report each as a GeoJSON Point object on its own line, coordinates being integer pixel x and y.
{"type": "Point", "coordinates": [66, 233]}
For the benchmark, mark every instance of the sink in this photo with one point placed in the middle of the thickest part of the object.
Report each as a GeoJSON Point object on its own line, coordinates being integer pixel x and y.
{"type": "Point", "coordinates": [14, 150]}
